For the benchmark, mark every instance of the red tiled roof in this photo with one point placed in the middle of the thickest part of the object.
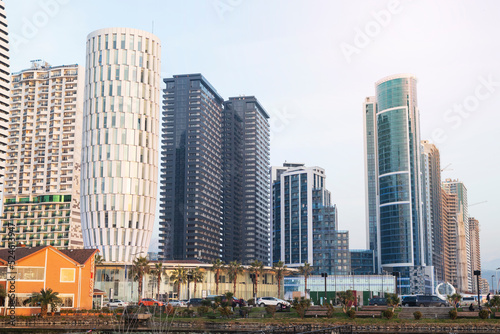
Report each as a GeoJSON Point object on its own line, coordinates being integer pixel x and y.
{"type": "Point", "coordinates": [79, 255]}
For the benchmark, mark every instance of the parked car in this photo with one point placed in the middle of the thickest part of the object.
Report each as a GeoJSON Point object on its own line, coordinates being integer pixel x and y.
{"type": "Point", "coordinates": [234, 301]}
{"type": "Point", "coordinates": [377, 301]}
{"type": "Point", "coordinates": [177, 303]}
{"type": "Point", "coordinates": [271, 301]}
{"type": "Point", "coordinates": [150, 302]}
{"type": "Point", "coordinates": [409, 301]}
{"type": "Point", "coordinates": [194, 302]}
{"type": "Point", "coordinates": [424, 301]}
{"type": "Point", "coordinates": [113, 303]}
{"type": "Point", "coordinates": [431, 300]}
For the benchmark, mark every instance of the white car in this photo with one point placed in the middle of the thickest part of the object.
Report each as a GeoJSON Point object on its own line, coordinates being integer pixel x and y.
{"type": "Point", "coordinates": [271, 301]}
{"type": "Point", "coordinates": [115, 303]}
{"type": "Point", "coordinates": [177, 303]}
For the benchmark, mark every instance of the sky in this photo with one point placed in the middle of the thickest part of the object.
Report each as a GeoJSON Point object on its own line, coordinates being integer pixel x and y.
{"type": "Point", "coordinates": [311, 64]}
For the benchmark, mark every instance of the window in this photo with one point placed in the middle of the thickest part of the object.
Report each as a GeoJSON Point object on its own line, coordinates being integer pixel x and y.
{"type": "Point", "coordinates": [30, 274]}
{"type": "Point", "coordinates": [66, 301]}
{"type": "Point", "coordinates": [67, 275]}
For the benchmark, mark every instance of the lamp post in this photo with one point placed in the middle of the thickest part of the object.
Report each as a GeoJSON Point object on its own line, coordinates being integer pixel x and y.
{"type": "Point", "coordinates": [477, 273]}
{"type": "Point", "coordinates": [492, 287]}
{"type": "Point", "coordinates": [325, 275]}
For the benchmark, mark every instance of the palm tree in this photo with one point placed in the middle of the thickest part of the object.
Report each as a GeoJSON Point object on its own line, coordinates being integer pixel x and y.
{"type": "Point", "coordinates": [217, 267]}
{"type": "Point", "coordinates": [280, 272]}
{"type": "Point", "coordinates": [305, 270]}
{"type": "Point", "coordinates": [46, 298]}
{"type": "Point", "coordinates": [140, 267]}
{"type": "Point", "coordinates": [98, 260]}
{"type": "Point", "coordinates": [234, 269]}
{"type": "Point", "coordinates": [198, 277]}
{"type": "Point", "coordinates": [179, 276]}
{"type": "Point", "coordinates": [256, 268]}
{"type": "Point", "coordinates": [157, 271]}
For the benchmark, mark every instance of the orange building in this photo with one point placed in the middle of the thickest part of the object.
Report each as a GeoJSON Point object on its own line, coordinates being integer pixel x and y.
{"type": "Point", "coordinates": [69, 272]}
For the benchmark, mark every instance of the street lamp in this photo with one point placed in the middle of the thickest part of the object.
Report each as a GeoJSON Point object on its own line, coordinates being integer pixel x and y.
{"type": "Point", "coordinates": [492, 287]}
{"type": "Point", "coordinates": [477, 273]}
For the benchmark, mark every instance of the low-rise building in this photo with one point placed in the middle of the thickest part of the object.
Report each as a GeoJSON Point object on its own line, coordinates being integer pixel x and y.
{"type": "Point", "coordinates": [67, 272]}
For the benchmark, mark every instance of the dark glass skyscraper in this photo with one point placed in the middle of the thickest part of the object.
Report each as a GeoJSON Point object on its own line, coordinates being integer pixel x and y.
{"type": "Point", "coordinates": [191, 170]}
{"type": "Point", "coordinates": [246, 136]}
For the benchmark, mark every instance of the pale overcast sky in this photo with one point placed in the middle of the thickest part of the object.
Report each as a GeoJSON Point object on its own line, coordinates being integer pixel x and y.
{"type": "Point", "coordinates": [311, 64]}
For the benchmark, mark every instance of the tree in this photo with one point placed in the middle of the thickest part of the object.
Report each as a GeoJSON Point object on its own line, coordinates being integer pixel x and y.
{"type": "Point", "coordinates": [3, 295]}
{"type": "Point", "coordinates": [454, 299]}
{"type": "Point", "coordinates": [198, 277]}
{"type": "Point", "coordinates": [256, 268]}
{"type": "Point", "coordinates": [392, 300]}
{"type": "Point", "coordinates": [233, 270]}
{"type": "Point", "coordinates": [179, 276]}
{"type": "Point", "coordinates": [305, 270]}
{"type": "Point", "coordinates": [217, 267]}
{"type": "Point", "coordinates": [46, 298]}
{"type": "Point", "coordinates": [280, 272]}
{"type": "Point", "coordinates": [346, 298]}
{"type": "Point", "coordinates": [140, 267]}
{"type": "Point", "coordinates": [157, 272]}
{"type": "Point", "coordinates": [495, 302]}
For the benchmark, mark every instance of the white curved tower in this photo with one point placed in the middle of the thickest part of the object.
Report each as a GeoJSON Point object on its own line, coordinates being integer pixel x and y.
{"type": "Point", "coordinates": [4, 91]}
{"type": "Point", "coordinates": [120, 142]}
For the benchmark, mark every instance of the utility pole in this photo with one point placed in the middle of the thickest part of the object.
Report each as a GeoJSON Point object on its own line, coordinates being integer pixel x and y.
{"type": "Point", "coordinates": [325, 275]}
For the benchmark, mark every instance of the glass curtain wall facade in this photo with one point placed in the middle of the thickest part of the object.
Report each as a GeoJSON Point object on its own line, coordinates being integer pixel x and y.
{"type": "Point", "coordinates": [120, 142]}
{"type": "Point", "coordinates": [393, 175]}
{"type": "Point", "coordinates": [305, 221]}
{"type": "Point", "coordinates": [191, 174]}
{"type": "Point", "coordinates": [42, 192]}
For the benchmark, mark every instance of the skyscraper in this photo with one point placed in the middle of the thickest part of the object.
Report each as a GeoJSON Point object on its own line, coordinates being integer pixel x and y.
{"type": "Point", "coordinates": [371, 177]}
{"type": "Point", "coordinates": [450, 228]}
{"type": "Point", "coordinates": [395, 135]}
{"type": "Point", "coordinates": [475, 248]}
{"type": "Point", "coordinates": [461, 218]}
{"type": "Point", "coordinates": [42, 192]}
{"type": "Point", "coordinates": [304, 225]}
{"type": "Point", "coordinates": [246, 115]}
{"type": "Point", "coordinates": [4, 91]}
{"type": "Point", "coordinates": [120, 142]}
{"type": "Point", "coordinates": [191, 174]}
{"type": "Point", "coordinates": [432, 207]}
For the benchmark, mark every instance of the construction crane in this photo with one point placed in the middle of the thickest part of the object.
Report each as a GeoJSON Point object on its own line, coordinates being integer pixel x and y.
{"type": "Point", "coordinates": [446, 168]}
{"type": "Point", "coordinates": [477, 203]}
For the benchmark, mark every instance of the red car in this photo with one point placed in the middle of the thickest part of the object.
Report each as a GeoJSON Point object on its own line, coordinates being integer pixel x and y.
{"type": "Point", "coordinates": [150, 302]}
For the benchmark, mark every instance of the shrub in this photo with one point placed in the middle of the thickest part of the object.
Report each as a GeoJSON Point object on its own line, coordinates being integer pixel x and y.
{"type": "Point", "coordinates": [206, 302]}
{"type": "Point", "coordinates": [170, 309]}
{"type": "Point", "coordinates": [330, 310]}
{"type": "Point", "coordinates": [105, 310]}
{"type": "Point", "coordinates": [188, 313]}
{"type": "Point", "coordinates": [244, 311]}
{"type": "Point", "coordinates": [453, 314]}
{"type": "Point", "coordinates": [301, 305]}
{"type": "Point", "coordinates": [483, 314]}
{"type": "Point", "coordinates": [271, 310]}
{"type": "Point", "coordinates": [388, 314]}
{"type": "Point", "coordinates": [417, 315]}
{"type": "Point", "coordinates": [225, 311]}
{"type": "Point", "coordinates": [202, 310]}
{"type": "Point", "coordinates": [119, 310]}
{"type": "Point", "coordinates": [251, 302]}
{"type": "Point", "coordinates": [351, 313]}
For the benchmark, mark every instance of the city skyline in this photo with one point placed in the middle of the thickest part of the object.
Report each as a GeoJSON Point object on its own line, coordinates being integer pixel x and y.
{"type": "Point", "coordinates": [334, 98]}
